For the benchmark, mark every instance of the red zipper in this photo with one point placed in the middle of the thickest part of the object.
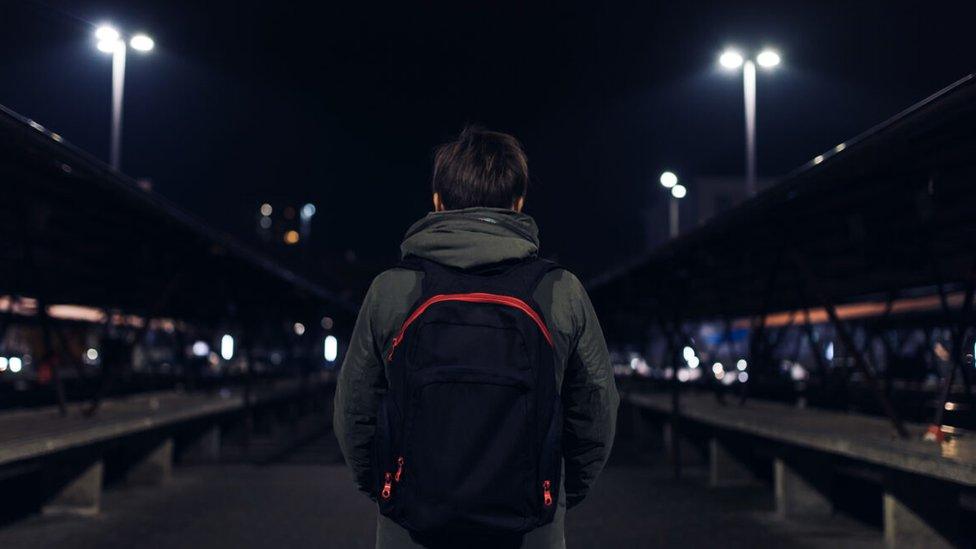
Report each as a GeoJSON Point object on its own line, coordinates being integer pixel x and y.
{"type": "Point", "coordinates": [546, 494]}
{"type": "Point", "coordinates": [476, 297]}
{"type": "Point", "coordinates": [399, 471]}
{"type": "Point", "coordinates": [387, 486]}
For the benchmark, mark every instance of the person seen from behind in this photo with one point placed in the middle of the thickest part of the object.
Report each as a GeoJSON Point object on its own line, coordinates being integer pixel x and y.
{"type": "Point", "coordinates": [476, 402]}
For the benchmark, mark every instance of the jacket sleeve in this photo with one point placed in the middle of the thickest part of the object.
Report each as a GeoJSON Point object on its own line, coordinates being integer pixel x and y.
{"type": "Point", "coordinates": [362, 381]}
{"type": "Point", "coordinates": [590, 400]}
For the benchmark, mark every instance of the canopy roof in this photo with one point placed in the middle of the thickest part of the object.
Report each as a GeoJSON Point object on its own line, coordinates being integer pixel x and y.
{"type": "Point", "coordinates": [72, 230]}
{"type": "Point", "coordinates": [889, 210]}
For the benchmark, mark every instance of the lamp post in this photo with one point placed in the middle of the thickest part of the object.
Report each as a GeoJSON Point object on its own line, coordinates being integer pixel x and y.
{"type": "Point", "coordinates": [110, 41]}
{"type": "Point", "coordinates": [732, 60]}
{"type": "Point", "coordinates": [670, 181]}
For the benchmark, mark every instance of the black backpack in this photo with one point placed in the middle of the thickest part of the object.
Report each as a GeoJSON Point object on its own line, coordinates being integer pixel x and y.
{"type": "Point", "coordinates": [468, 432]}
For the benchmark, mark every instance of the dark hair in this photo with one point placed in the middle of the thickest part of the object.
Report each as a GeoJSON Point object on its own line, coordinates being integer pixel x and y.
{"type": "Point", "coordinates": [480, 168]}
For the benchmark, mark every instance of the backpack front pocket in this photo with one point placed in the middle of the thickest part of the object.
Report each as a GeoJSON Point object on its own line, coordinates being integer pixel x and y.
{"type": "Point", "coordinates": [469, 456]}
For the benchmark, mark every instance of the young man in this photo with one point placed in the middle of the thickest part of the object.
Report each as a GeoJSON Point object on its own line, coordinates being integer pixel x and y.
{"type": "Point", "coordinates": [445, 383]}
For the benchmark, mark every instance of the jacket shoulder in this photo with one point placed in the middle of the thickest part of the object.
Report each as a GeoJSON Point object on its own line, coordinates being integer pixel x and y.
{"type": "Point", "coordinates": [389, 299]}
{"type": "Point", "coordinates": [563, 284]}
{"type": "Point", "coordinates": [563, 299]}
{"type": "Point", "coordinates": [395, 279]}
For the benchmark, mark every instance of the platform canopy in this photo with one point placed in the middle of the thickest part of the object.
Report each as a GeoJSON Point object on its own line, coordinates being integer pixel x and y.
{"type": "Point", "coordinates": [892, 210]}
{"type": "Point", "coordinates": [74, 231]}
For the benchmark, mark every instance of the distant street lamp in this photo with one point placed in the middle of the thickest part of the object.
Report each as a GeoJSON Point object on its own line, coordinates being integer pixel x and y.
{"type": "Point", "coordinates": [670, 181]}
{"type": "Point", "coordinates": [732, 60]}
{"type": "Point", "coordinates": [110, 41]}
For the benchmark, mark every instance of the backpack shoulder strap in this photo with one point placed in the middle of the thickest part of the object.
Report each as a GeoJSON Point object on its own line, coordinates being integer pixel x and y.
{"type": "Point", "coordinates": [519, 277]}
{"type": "Point", "coordinates": [522, 278]}
{"type": "Point", "coordinates": [531, 272]}
{"type": "Point", "coordinates": [436, 277]}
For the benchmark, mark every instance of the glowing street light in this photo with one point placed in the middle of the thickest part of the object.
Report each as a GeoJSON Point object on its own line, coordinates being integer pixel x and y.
{"type": "Point", "coordinates": [768, 59]}
{"type": "Point", "coordinates": [107, 46]}
{"type": "Point", "coordinates": [106, 35]}
{"type": "Point", "coordinates": [110, 40]}
{"type": "Point", "coordinates": [670, 181]}
{"type": "Point", "coordinates": [732, 60]}
{"type": "Point", "coordinates": [141, 42]}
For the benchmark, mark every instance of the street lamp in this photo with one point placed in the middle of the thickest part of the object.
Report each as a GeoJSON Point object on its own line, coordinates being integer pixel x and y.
{"type": "Point", "coordinates": [670, 181]}
{"type": "Point", "coordinates": [111, 41]}
{"type": "Point", "coordinates": [732, 60]}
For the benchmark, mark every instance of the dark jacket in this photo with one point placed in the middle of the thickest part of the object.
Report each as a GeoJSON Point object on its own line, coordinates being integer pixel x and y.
{"type": "Point", "coordinates": [468, 239]}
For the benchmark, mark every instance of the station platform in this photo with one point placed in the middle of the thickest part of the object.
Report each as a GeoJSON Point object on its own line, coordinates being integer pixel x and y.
{"type": "Point", "coordinates": [860, 437]}
{"type": "Point", "coordinates": [35, 433]}
{"type": "Point", "coordinates": [307, 499]}
{"type": "Point", "coordinates": [822, 463]}
{"type": "Point", "coordinates": [762, 474]}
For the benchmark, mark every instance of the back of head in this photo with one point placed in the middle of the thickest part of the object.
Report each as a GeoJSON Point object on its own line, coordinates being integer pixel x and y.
{"type": "Point", "coordinates": [481, 168]}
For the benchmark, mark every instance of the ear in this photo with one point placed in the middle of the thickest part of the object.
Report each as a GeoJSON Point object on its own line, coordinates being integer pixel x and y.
{"type": "Point", "coordinates": [438, 205]}
{"type": "Point", "coordinates": [519, 204]}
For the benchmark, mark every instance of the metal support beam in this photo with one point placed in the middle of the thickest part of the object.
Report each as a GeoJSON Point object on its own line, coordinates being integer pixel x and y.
{"type": "Point", "coordinates": [957, 359]}
{"type": "Point", "coordinates": [757, 333]}
{"type": "Point", "coordinates": [890, 354]}
{"type": "Point", "coordinates": [50, 355]}
{"type": "Point", "coordinates": [842, 332]}
{"type": "Point", "coordinates": [814, 346]}
{"type": "Point", "coordinates": [757, 340]}
{"type": "Point", "coordinates": [671, 335]}
{"type": "Point", "coordinates": [110, 370]}
{"type": "Point", "coordinates": [675, 385]}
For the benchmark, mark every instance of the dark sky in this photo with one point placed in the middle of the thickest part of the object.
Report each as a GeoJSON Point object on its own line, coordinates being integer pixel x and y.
{"type": "Point", "coordinates": [340, 104]}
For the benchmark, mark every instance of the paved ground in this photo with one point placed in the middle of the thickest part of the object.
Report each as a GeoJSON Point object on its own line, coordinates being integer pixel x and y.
{"type": "Point", "coordinates": [306, 500]}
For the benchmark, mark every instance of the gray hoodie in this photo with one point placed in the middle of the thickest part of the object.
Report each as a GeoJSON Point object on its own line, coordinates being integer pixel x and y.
{"type": "Point", "coordinates": [467, 239]}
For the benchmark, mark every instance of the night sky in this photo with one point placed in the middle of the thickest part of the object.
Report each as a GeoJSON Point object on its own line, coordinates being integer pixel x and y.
{"type": "Point", "coordinates": [341, 104]}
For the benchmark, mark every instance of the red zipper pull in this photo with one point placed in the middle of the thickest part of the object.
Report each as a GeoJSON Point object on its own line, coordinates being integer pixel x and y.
{"type": "Point", "coordinates": [396, 341]}
{"type": "Point", "coordinates": [546, 494]}
{"type": "Point", "coordinates": [387, 486]}
{"type": "Point", "coordinates": [399, 471]}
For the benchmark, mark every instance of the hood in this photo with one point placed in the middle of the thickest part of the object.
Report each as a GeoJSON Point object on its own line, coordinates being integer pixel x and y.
{"type": "Point", "coordinates": [472, 237]}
